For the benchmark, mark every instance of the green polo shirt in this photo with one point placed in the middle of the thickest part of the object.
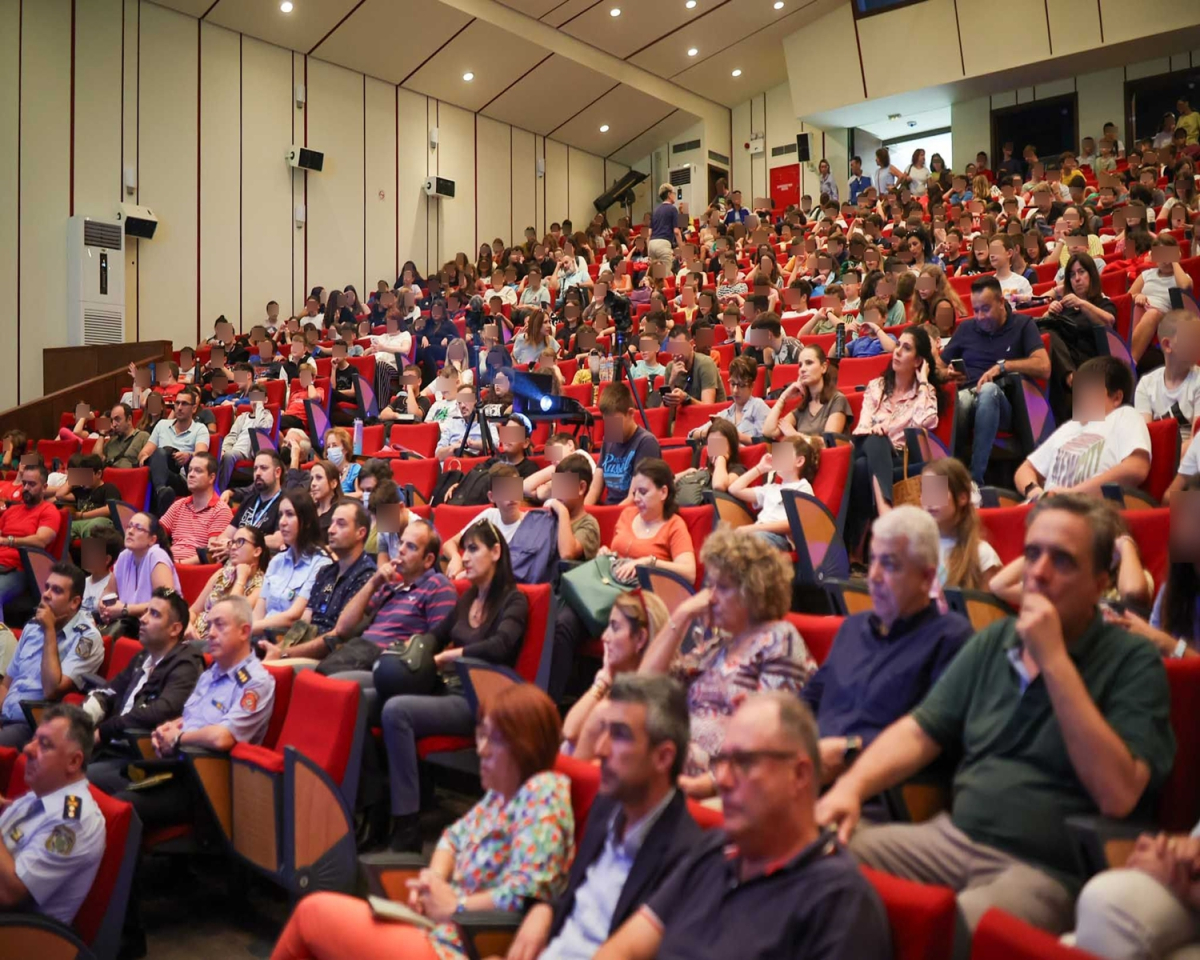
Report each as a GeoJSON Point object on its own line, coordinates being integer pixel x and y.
{"type": "Point", "coordinates": [1015, 783]}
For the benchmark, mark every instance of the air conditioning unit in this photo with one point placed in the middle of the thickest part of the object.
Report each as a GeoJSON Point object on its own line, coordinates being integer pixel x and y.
{"type": "Point", "coordinates": [681, 179]}
{"type": "Point", "coordinates": [439, 187]}
{"type": "Point", "coordinates": [95, 281]}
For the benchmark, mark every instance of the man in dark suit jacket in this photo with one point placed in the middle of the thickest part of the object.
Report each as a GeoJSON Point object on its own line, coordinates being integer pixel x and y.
{"type": "Point", "coordinates": [638, 829]}
{"type": "Point", "coordinates": [157, 682]}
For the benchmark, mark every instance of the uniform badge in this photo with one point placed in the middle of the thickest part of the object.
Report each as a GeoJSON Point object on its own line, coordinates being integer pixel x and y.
{"type": "Point", "coordinates": [219, 705]}
{"type": "Point", "coordinates": [61, 840]}
{"type": "Point", "coordinates": [71, 808]}
{"type": "Point", "coordinates": [249, 700]}
{"type": "Point", "coordinates": [291, 594]}
{"type": "Point", "coordinates": [242, 676]}
{"type": "Point", "coordinates": [15, 834]}
{"type": "Point", "coordinates": [84, 646]}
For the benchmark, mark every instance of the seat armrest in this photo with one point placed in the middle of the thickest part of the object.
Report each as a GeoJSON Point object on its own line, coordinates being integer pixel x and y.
{"type": "Point", "coordinates": [487, 933]}
{"type": "Point", "coordinates": [385, 874]}
{"type": "Point", "coordinates": [1102, 843]}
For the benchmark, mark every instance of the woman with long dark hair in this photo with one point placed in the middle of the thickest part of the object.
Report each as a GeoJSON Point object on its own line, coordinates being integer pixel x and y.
{"type": "Point", "coordinates": [488, 624]}
{"type": "Point", "coordinates": [291, 572]}
{"type": "Point", "coordinates": [823, 407]}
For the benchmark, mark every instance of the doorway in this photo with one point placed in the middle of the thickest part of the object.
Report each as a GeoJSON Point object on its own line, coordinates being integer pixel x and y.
{"type": "Point", "coordinates": [1147, 99]}
{"type": "Point", "coordinates": [1051, 125]}
{"type": "Point", "coordinates": [715, 173]}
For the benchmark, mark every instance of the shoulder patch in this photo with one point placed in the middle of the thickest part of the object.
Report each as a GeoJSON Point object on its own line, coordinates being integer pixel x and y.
{"type": "Point", "coordinates": [242, 676]}
{"type": "Point", "coordinates": [61, 840]}
{"type": "Point", "coordinates": [84, 646]}
{"type": "Point", "coordinates": [249, 700]}
{"type": "Point", "coordinates": [71, 807]}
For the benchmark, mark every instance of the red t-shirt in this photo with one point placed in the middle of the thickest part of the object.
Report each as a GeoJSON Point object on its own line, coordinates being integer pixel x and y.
{"type": "Point", "coordinates": [21, 521]}
{"type": "Point", "coordinates": [296, 407]}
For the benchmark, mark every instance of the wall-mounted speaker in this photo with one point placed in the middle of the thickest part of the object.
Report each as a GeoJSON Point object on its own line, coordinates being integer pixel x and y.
{"type": "Point", "coordinates": [802, 152]}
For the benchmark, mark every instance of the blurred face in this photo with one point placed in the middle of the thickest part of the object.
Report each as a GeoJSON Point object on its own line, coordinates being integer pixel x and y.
{"type": "Point", "coordinates": [898, 586]}
{"type": "Point", "coordinates": [935, 498]}
{"type": "Point", "coordinates": [198, 477]}
{"type": "Point", "coordinates": [812, 370]}
{"type": "Point", "coordinates": [479, 562]}
{"type": "Point", "coordinates": [228, 640]}
{"type": "Point", "coordinates": [944, 317]}
{"type": "Point", "coordinates": [648, 498]}
{"type": "Point", "coordinates": [998, 255]}
{"type": "Point", "coordinates": [52, 759]}
{"type": "Point", "coordinates": [925, 287]}
{"type": "Point", "coordinates": [498, 768]}
{"type": "Point", "coordinates": [1058, 565]}
{"type": "Point", "coordinates": [289, 523]}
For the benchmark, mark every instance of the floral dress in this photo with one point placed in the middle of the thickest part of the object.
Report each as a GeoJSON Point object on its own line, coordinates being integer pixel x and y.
{"type": "Point", "coordinates": [520, 850]}
{"type": "Point", "coordinates": [718, 680]}
{"type": "Point", "coordinates": [225, 581]}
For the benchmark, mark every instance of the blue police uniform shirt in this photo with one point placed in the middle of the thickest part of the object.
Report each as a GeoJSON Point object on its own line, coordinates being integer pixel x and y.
{"type": "Point", "coordinates": [56, 843]}
{"type": "Point", "coordinates": [240, 700]}
{"type": "Point", "coordinates": [288, 577]}
{"type": "Point", "coordinates": [80, 651]}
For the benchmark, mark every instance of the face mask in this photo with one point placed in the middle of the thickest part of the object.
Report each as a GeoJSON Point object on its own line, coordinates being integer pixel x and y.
{"type": "Point", "coordinates": [336, 456]}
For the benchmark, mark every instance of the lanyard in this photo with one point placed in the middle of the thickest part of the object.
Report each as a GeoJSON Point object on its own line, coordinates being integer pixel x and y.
{"type": "Point", "coordinates": [260, 511]}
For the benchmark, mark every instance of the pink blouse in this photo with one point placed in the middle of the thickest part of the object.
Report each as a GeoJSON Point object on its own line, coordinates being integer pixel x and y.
{"type": "Point", "coordinates": [894, 414]}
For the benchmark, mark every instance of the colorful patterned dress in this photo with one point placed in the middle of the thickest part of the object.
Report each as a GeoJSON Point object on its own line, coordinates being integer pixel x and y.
{"type": "Point", "coordinates": [517, 851]}
{"type": "Point", "coordinates": [718, 680]}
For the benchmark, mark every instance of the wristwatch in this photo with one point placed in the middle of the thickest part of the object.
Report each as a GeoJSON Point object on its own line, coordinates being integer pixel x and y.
{"type": "Point", "coordinates": [461, 905]}
{"type": "Point", "coordinates": [853, 749]}
{"type": "Point", "coordinates": [1000, 364]}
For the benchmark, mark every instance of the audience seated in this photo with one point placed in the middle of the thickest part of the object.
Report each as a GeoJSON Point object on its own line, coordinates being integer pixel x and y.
{"type": "Point", "coordinates": [142, 567]}
{"type": "Point", "coordinates": [170, 449]}
{"type": "Point", "coordinates": [791, 465]}
{"type": "Point", "coordinates": [121, 446]}
{"type": "Point", "coordinates": [291, 572]}
{"type": "Point", "coordinates": [57, 649]}
{"type": "Point", "coordinates": [514, 846]}
{"type": "Point", "coordinates": [1173, 390]}
{"type": "Point", "coordinates": [966, 561]}
{"type": "Point", "coordinates": [488, 623]}
{"type": "Point", "coordinates": [193, 521]}
{"type": "Point", "coordinates": [626, 445]}
{"type": "Point", "coordinates": [1092, 736]}
{"type": "Point", "coordinates": [53, 836]}
{"type": "Point", "coordinates": [240, 576]}
{"type": "Point", "coordinates": [34, 522]}
{"type": "Point", "coordinates": [87, 495]}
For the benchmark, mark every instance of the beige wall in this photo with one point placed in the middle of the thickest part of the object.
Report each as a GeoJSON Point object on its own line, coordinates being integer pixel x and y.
{"type": "Point", "coordinates": [203, 117]}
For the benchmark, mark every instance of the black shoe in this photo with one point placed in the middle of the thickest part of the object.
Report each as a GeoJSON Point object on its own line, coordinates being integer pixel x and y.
{"type": "Point", "coordinates": [406, 834]}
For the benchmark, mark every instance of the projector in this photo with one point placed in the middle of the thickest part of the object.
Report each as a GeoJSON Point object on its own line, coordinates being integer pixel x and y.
{"type": "Point", "coordinates": [439, 187]}
{"type": "Point", "coordinates": [304, 159]}
{"type": "Point", "coordinates": [139, 222]}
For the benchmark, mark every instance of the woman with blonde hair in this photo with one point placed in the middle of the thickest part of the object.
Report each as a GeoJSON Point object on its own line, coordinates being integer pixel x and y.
{"type": "Point", "coordinates": [966, 561]}
{"type": "Point", "coordinates": [928, 296]}
{"type": "Point", "coordinates": [636, 617]}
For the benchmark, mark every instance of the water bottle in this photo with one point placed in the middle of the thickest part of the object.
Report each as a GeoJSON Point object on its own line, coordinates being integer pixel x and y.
{"type": "Point", "coordinates": [840, 347]}
{"type": "Point", "coordinates": [358, 435]}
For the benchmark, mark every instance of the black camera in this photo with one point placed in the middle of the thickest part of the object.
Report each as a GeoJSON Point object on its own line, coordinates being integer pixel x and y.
{"type": "Point", "coordinates": [620, 310]}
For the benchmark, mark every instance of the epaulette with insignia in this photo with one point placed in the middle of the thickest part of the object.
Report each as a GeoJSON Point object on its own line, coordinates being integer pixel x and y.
{"type": "Point", "coordinates": [71, 807]}
{"type": "Point", "coordinates": [242, 676]}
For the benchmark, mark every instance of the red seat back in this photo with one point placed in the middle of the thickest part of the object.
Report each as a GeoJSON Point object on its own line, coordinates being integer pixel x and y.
{"type": "Point", "coordinates": [61, 450]}
{"type": "Point", "coordinates": [607, 516]}
{"type": "Point", "coordinates": [58, 546]}
{"type": "Point", "coordinates": [817, 632]}
{"type": "Point", "coordinates": [1179, 801]}
{"type": "Point", "coordinates": [678, 458]}
{"type": "Point", "coordinates": [859, 371]}
{"type": "Point", "coordinates": [134, 484]}
{"type": "Point", "coordinates": [366, 367]}
{"type": "Point", "coordinates": [448, 520]}
{"type": "Point", "coordinates": [1005, 527]}
{"type": "Point", "coordinates": [921, 917]}
{"type": "Point", "coordinates": [585, 784]}
{"type": "Point", "coordinates": [422, 474]}
{"type": "Point", "coordinates": [1164, 457]}
{"type": "Point", "coordinates": [193, 577]}
{"type": "Point", "coordinates": [420, 438]}
{"type": "Point", "coordinates": [529, 660]}
{"type": "Point", "coordinates": [833, 477]}
{"type": "Point", "coordinates": [321, 722]}
{"type": "Point", "coordinates": [1001, 936]}
{"type": "Point", "coordinates": [693, 415]}
{"type": "Point", "coordinates": [1150, 529]}
{"type": "Point", "coordinates": [122, 655]}
{"type": "Point", "coordinates": [285, 678]}
{"type": "Point", "coordinates": [119, 847]}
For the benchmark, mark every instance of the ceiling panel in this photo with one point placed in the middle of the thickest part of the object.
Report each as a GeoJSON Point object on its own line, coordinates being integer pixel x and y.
{"type": "Point", "coordinates": [426, 26]}
{"type": "Point", "coordinates": [496, 57]}
{"type": "Point", "coordinates": [641, 22]}
{"type": "Point", "coordinates": [566, 9]}
{"type": "Point", "coordinates": [625, 110]}
{"type": "Point", "coordinates": [193, 8]}
{"type": "Point", "coordinates": [549, 96]}
{"type": "Point", "coordinates": [302, 29]}
{"type": "Point", "coordinates": [665, 130]}
{"type": "Point", "coordinates": [532, 8]}
{"type": "Point", "coordinates": [725, 25]}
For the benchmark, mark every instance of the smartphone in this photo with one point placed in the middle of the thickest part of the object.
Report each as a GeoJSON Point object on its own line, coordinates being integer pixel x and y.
{"type": "Point", "coordinates": [959, 365]}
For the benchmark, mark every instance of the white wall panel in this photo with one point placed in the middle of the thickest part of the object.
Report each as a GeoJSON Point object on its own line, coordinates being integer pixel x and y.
{"type": "Point", "coordinates": [1101, 99]}
{"type": "Point", "coordinates": [456, 160]}
{"type": "Point", "coordinates": [10, 109]}
{"type": "Point", "coordinates": [496, 178]}
{"type": "Point", "coordinates": [129, 152]}
{"type": "Point", "coordinates": [98, 187]}
{"type": "Point", "coordinates": [299, 189]}
{"type": "Point", "coordinates": [220, 183]}
{"type": "Point", "coordinates": [380, 190]}
{"type": "Point", "coordinates": [525, 184]}
{"type": "Point", "coordinates": [556, 182]}
{"type": "Point", "coordinates": [414, 167]}
{"type": "Point", "coordinates": [587, 183]}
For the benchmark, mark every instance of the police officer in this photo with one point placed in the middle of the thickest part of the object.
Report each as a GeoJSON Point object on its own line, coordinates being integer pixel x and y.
{"type": "Point", "coordinates": [53, 836]}
{"type": "Point", "coordinates": [231, 704]}
{"type": "Point", "coordinates": [58, 647]}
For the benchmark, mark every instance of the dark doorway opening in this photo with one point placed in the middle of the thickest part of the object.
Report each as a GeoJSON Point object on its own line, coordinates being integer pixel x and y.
{"type": "Point", "coordinates": [1051, 125]}
{"type": "Point", "coordinates": [1147, 99]}
{"type": "Point", "coordinates": [715, 174]}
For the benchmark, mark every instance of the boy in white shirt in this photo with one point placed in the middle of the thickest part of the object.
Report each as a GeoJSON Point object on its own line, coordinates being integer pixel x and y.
{"type": "Point", "coordinates": [504, 514]}
{"type": "Point", "coordinates": [1107, 441]}
{"type": "Point", "coordinates": [1173, 391]}
{"type": "Point", "coordinates": [795, 463]}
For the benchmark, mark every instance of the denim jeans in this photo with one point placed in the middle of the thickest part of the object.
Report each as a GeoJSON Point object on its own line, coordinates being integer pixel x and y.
{"type": "Point", "coordinates": [990, 411]}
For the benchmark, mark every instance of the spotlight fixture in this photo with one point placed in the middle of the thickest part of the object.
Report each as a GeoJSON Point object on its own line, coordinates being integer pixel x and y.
{"type": "Point", "coordinates": [737, 72]}
{"type": "Point", "coordinates": [468, 76]}
{"type": "Point", "coordinates": [604, 128]}
{"type": "Point", "coordinates": [691, 4]}
{"type": "Point", "coordinates": [614, 12]}
{"type": "Point", "coordinates": [286, 6]}
{"type": "Point", "coordinates": [778, 4]}
{"type": "Point", "coordinates": [692, 51]}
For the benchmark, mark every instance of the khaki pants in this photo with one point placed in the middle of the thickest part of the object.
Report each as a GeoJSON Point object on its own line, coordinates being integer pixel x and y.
{"type": "Point", "coordinates": [938, 852]}
{"type": "Point", "coordinates": [662, 252]}
{"type": "Point", "coordinates": [1128, 915]}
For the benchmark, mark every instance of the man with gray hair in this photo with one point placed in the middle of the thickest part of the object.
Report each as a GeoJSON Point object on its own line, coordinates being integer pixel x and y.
{"type": "Point", "coordinates": [231, 704]}
{"type": "Point", "coordinates": [772, 884]}
{"type": "Point", "coordinates": [1055, 713]}
{"type": "Point", "coordinates": [883, 663]}
{"type": "Point", "coordinates": [638, 830]}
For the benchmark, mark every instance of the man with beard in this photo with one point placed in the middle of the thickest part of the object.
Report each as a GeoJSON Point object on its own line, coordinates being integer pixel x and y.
{"type": "Point", "coordinates": [259, 506]}
{"type": "Point", "coordinates": [638, 830]}
{"type": "Point", "coordinates": [122, 446]}
{"type": "Point", "coordinates": [30, 523]}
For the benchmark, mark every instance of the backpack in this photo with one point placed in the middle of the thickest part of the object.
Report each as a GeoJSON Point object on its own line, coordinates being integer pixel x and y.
{"type": "Point", "coordinates": [472, 489]}
{"type": "Point", "coordinates": [690, 488]}
{"type": "Point", "coordinates": [534, 547]}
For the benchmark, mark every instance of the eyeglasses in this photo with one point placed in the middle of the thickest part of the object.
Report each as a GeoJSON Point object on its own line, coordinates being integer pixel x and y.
{"type": "Point", "coordinates": [743, 761]}
{"type": "Point", "coordinates": [241, 542]}
{"type": "Point", "coordinates": [737, 384]}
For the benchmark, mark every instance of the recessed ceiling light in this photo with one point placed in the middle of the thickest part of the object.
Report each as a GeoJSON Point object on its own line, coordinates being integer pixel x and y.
{"type": "Point", "coordinates": [468, 76]}
{"type": "Point", "coordinates": [692, 51]}
{"type": "Point", "coordinates": [614, 12]}
{"type": "Point", "coordinates": [604, 128]}
{"type": "Point", "coordinates": [737, 73]}
{"type": "Point", "coordinates": [778, 4]}
{"type": "Point", "coordinates": [286, 6]}
{"type": "Point", "coordinates": [691, 4]}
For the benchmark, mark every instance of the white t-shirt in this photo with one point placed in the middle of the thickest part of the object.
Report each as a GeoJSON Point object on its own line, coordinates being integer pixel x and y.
{"type": "Point", "coordinates": [988, 557]}
{"type": "Point", "coordinates": [1189, 466]}
{"type": "Point", "coordinates": [1015, 284]}
{"type": "Point", "coordinates": [1076, 451]}
{"type": "Point", "coordinates": [93, 590]}
{"type": "Point", "coordinates": [493, 514]}
{"type": "Point", "coordinates": [1154, 398]}
{"type": "Point", "coordinates": [1157, 289]}
{"type": "Point", "coordinates": [918, 177]}
{"type": "Point", "coordinates": [769, 499]}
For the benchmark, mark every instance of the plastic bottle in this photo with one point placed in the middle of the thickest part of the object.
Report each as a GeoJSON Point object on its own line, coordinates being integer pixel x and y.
{"type": "Point", "coordinates": [358, 436]}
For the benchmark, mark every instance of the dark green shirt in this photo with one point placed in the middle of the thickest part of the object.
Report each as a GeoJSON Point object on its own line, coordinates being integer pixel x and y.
{"type": "Point", "coordinates": [1015, 783]}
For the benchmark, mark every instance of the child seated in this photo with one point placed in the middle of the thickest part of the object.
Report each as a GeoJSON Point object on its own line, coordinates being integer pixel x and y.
{"type": "Point", "coordinates": [791, 465]}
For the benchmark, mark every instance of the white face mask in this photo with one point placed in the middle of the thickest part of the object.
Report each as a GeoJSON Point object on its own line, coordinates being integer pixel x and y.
{"type": "Point", "coordinates": [336, 456]}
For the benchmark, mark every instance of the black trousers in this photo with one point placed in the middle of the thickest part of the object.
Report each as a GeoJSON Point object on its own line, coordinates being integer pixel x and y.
{"type": "Point", "coordinates": [163, 805]}
{"type": "Point", "coordinates": [874, 459]}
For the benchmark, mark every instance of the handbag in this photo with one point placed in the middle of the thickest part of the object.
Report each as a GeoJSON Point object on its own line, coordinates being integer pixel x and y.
{"type": "Point", "coordinates": [407, 668]}
{"type": "Point", "coordinates": [907, 492]}
{"type": "Point", "coordinates": [590, 589]}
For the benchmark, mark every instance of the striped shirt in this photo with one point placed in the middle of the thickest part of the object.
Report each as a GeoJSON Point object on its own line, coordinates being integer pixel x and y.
{"type": "Point", "coordinates": [403, 610]}
{"type": "Point", "coordinates": [191, 528]}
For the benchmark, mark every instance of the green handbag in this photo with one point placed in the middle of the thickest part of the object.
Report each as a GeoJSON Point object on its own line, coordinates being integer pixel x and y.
{"type": "Point", "coordinates": [590, 589]}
